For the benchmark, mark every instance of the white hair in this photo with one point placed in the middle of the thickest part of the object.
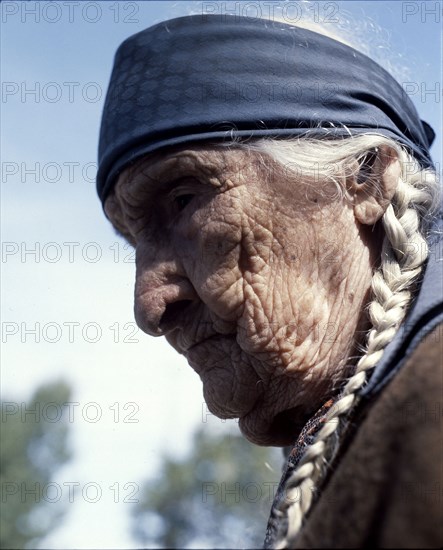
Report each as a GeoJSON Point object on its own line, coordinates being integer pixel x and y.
{"type": "Point", "coordinates": [406, 223]}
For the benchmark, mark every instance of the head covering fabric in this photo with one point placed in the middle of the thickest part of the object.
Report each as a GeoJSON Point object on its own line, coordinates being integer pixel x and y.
{"type": "Point", "coordinates": [213, 77]}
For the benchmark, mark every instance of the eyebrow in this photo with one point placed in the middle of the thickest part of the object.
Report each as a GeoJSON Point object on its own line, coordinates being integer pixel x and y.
{"type": "Point", "coordinates": [154, 168]}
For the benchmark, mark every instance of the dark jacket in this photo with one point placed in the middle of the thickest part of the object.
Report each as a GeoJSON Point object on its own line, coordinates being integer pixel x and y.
{"type": "Point", "coordinates": [385, 487]}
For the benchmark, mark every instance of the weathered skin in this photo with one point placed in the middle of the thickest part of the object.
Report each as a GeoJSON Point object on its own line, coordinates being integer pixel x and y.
{"type": "Point", "coordinates": [260, 280]}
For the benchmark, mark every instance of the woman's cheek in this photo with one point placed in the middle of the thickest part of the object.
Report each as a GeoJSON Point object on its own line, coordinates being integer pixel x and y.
{"type": "Point", "coordinates": [209, 241]}
{"type": "Point", "coordinates": [213, 269]}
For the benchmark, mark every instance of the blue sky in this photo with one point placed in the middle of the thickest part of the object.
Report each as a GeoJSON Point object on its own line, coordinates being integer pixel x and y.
{"type": "Point", "coordinates": [64, 51]}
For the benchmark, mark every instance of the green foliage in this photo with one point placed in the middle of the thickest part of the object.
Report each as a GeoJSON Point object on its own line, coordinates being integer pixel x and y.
{"type": "Point", "coordinates": [218, 497]}
{"type": "Point", "coordinates": [33, 447]}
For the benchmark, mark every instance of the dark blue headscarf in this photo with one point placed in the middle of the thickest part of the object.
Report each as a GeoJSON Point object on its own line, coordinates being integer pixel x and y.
{"type": "Point", "coordinates": [214, 77]}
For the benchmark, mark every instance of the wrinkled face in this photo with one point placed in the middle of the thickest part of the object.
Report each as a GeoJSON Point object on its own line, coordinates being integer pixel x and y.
{"type": "Point", "coordinates": [258, 279]}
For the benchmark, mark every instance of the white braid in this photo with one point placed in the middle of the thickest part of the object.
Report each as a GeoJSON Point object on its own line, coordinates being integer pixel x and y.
{"type": "Point", "coordinates": [403, 253]}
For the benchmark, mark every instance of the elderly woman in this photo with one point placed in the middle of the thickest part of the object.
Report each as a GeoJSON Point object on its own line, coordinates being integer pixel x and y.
{"type": "Point", "coordinates": [279, 192]}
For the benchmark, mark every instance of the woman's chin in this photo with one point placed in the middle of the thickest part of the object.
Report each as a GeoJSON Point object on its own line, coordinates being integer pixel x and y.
{"type": "Point", "coordinates": [224, 402]}
{"type": "Point", "coordinates": [278, 431]}
{"type": "Point", "coordinates": [231, 388]}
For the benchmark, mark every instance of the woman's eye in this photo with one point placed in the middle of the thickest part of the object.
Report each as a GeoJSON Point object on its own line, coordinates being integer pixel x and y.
{"type": "Point", "coordinates": [182, 200]}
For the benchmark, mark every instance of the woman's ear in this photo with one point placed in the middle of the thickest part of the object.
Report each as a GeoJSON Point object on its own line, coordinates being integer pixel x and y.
{"type": "Point", "coordinates": [373, 187]}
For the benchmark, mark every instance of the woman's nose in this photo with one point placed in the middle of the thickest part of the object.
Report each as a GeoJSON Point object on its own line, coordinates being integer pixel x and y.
{"type": "Point", "coordinates": [162, 294]}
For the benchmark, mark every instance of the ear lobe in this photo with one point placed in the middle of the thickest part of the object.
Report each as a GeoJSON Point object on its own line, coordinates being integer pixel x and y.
{"type": "Point", "coordinates": [374, 186]}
